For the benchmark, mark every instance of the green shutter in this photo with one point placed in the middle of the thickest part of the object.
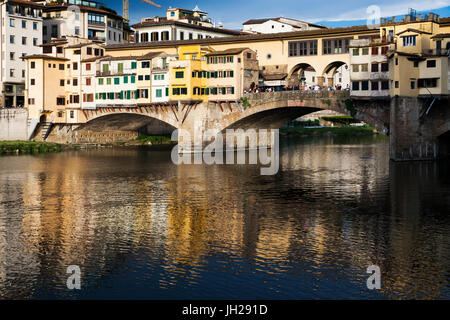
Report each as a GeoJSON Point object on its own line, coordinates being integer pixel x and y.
{"type": "Point", "coordinates": [133, 79]}
{"type": "Point", "coordinates": [134, 65]}
{"type": "Point", "coordinates": [125, 79]}
{"type": "Point", "coordinates": [116, 80]}
{"type": "Point", "coordinates": [121, 95]}
{"type": "Point", "coordinates": [167, 91]}
{"type": "Point", "coordinates": [120, 67]}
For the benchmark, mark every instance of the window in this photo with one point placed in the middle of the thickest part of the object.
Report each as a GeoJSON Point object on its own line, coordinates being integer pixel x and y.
{"type": "Point", "coordinates": [35, 25]}
{"type": "Point", "coordinates": [108, 81]}
{"type": "Point", "coordinates": [355, 85]}
{"type": "Point", "coordinates": [179, 74]}
{"type": "Point", "coordinates": [88, 81]}
{"type": "Point", "coordinates": [32, 65]}
{"type": "Point", "coordinates": [365, 51]}
{"type": "Point", "coordinates": [335, 46]}
{"type": "Point", "coordinates": [301, 48]}
{"type": "Point", "coordinates": [72, 114]}
{"type": "Point", "coordinates": [355, 67]}
{"type": "Point", "coordinates": [60, 101]}
{"type": "Point", "coordinates": [375, 51]}
{"type": "Point", "coordinates": [11, 22]}
{"type": "Point", "coordinates": [100, 81]}
{"type": "Point", "coordinates": [364, 67]}
{"type": "Point", "coordinates": [385, 85]}
{"type": "Point", "coordinates": [409, 41]}
{"type": "Point", "coordinates": [374, 85]}
{"type": "Point", "coordinates": [88, 66]}
{"type": "Point", "coordinates": [133, 65]}
{"type": "Point", "coordinates": [384, 50]}
{"type": "Point", "coordinates": [133, 79]}
{"type": "Point", "coordinates": [75, 66]}
{"type": "Point", "coordinates": [155, 36]}
{"type": "Point", "coordinates": [31, 101]}
{"type": "Point", "coordinates": [116, 81]}
{"type": "Point", "coordinates": [431, 63]}
{"type": "Point", "coordinates": [416, 64]}
{"type": "Point", "coordinates": [145, 64]}
{"type": "Point", "coordinates": [54, 31]}
{"type": "Point", "coordinates": [365, 85]}
{"type": "Point", "coordinates": [181, 35]}
{"type": "Point", "coordinates": [355, 52]}
{"type": "Point", "coordinates": [12, 56]}
{"type": "Point", "coordinates": [24, 41]}
{"type": "Point", "coordinates": [159, 93]}
{"type": "Point", "coordinates": [35, 42]}
{"type": "Point", "coordinates": [75, 82]}
{"type": "Point", "coordinates": [396, 61]}
{"type": "Point", "coordinates": [384, 67]}
{"type": "Point", "coordinates": [397, 84]}
{"type": "Point", "coordinates": [61, 82]}
{"type": "Point", "coordinates": [12, 39]}
{"type": "Point", "coordinates": [427, 83]}
{"type": "Point", "coordinates": [165, 36]}
{"type": "Point", "coordinates": [413, 85]}
{"type": "Point", "coordinates": [44, 30]}
{"type": "Point", "coordinates": [125, 79]}
{"type": "Point", "coordinates": [32, 82]}
{"type": "Point", "coordinates": [89, 51]}
{"type": "Point", "coordinates": [61, 66]}
{"type": "Point", "coordinates": [374, 67]}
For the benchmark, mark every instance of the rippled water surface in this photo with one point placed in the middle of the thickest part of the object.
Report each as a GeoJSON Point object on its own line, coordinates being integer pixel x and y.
{"type": "Point", "coordinates": [140, 227]}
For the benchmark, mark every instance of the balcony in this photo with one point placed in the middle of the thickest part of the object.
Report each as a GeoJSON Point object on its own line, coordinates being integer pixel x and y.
{"type": "Point", "coordinates": [436, 52]}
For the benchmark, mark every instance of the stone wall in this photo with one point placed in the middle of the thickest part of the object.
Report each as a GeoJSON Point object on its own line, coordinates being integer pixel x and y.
{"type": "Point", "coordinates": [13, 124]}
{"type": "Point", "coordinates": [416, 134]}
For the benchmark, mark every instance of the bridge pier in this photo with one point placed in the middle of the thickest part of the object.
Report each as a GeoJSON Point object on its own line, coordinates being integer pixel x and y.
{"type": "Point", "coordinates": [419, 128]}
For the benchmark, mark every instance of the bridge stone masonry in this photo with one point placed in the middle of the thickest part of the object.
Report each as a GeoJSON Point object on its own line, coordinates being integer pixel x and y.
{"type": "Point", "coordinates": [418, 128]}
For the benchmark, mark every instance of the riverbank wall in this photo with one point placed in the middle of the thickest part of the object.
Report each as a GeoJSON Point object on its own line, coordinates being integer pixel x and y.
{"type": "Point", "coordinates": [13, 124]}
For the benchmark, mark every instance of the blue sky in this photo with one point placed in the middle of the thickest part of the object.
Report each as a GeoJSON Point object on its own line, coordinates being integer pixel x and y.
{"type": "Point", "coordinates": [329, 12]}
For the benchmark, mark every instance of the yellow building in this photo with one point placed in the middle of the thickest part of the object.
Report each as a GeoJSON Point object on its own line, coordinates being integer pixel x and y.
{"type": "Point", "coordinates": [188, 74]}
{"type": "Point", "coordinates": [418, 56]}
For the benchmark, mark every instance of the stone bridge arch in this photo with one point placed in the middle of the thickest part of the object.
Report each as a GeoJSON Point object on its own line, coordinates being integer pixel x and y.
{"type": "Point", "coordinates": [274, 109]}
{"type": "Point", "coordinates": [129, 121]}
{"type": "Point", "coordinates": [294, 78]}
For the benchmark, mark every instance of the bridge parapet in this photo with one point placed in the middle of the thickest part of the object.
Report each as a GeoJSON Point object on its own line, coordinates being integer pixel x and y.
{"type": "Point", "coordinates": [299, 95]}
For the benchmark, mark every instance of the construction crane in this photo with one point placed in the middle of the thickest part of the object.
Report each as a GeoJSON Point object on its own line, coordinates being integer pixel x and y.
{"type": "Point", "coordinates": [126, 8]}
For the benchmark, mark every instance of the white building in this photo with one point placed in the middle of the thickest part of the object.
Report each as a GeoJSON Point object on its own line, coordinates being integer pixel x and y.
{"type": "Point", "coordinates": [161, 81]}
{"type": "Point", "coordinates": [369, 68]}
{"type": "Point", "coordinates": [179, 24]}
{"type": "Point", "coordinates": [21, 34]}
{"type": "Point", "coordinates": [277, 25]}
{"type": "Point", "coordinates": [82, 18]}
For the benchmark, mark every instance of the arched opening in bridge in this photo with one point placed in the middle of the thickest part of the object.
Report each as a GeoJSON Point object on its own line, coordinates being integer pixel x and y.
{"type": "Point", "coordinates": [128, 122]}
{"type": "Point", "coordinates": [302, 76]}
{"type": "Point", "coordinates": [337, 75]}
{"type": "Point", "coordinates": [444, 144]}
{"type": "Point", "coordinates": [271, 119]}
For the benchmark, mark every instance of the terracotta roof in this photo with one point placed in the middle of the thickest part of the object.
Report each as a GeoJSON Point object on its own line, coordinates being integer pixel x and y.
{"type": "Point", "coordinates": [275, 76]}
{"type": "Point", "coordinates": [188, 25]}
{"type": "Point", "coordinates": [29, 3]}
{"type": "Point", "coordinates": [261, 21]}
{"type": "Point", "coordinates": [413, 30]}
{"type": "Point", "coordinates": [227, 52]}
{"type": "Point", "coordinates": [249, 37]}
{"type": "Point", "coordinates": [147, 56]}
{"type": "Point", "coordinates": [441, 36]}
{"type": "Point", "coordinates": [63, 6]}
{"type": "Point", "coordinates": [43, 56]}
{"type": "Point", "coordinates": [93, 59]}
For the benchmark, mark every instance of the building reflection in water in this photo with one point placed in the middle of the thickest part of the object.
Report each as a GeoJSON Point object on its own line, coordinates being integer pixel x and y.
{"type": "Point", "coordinates": [336, 207]}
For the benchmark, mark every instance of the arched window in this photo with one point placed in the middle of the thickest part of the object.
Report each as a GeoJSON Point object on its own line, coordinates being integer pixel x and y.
{"type": "Point", "coordinates": [144, 37]}
{"type": "Point", "coordinates": [155, 36]}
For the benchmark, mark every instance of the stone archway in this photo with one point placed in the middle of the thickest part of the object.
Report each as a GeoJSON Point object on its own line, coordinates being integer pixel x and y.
{"type": "Point", "coordinates": [297, 77]}
{"type": "Point", "coordinates": [330, 71]}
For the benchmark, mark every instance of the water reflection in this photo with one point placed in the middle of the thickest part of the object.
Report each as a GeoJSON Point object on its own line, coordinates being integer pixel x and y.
{"type": "Point", "coordinates": [140, 227]}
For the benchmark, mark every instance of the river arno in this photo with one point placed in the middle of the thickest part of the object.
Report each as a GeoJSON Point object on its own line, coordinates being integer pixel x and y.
{"type": "Point", "coordinates": [140, 227]}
